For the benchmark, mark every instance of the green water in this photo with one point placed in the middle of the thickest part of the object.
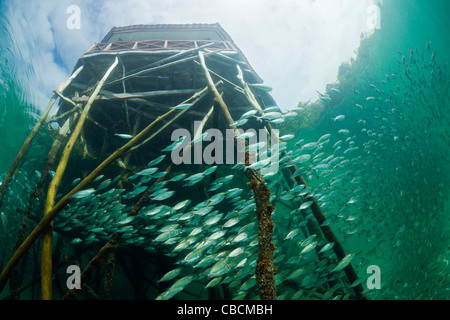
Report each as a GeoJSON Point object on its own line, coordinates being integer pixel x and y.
{"type": "Point", "coordinates": [397, 168]}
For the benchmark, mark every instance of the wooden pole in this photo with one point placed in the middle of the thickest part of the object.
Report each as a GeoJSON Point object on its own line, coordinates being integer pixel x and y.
{"type": "Point", "coordinates": [125, 91]}
{"type": "Point", "coordinates": [265, 268]}
{"type": "Point", "coordinates": [33, 133]}
{"type": "Point", "coordinates": [317, 211]}
{"type": "Point", "coordinates": [48, 165]}
{"type": "Point", "coordinates": [109, 247]}
{"type": "Point", "coordinates": [136, 95]}
{"type": "Point", "coordinates": [48, 218]}
{"type": "Point", "coordinates": [331, 238]}
{"type": "Point", "coordinates": [109, 274]}
{"type": "Point", "coordinates": [46, 255]}
{"type": "Point", "coordinates": [249, 94]}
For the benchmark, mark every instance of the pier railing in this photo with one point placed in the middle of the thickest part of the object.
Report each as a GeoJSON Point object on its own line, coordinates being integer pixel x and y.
{"type": "Point", "coordinates": [157, 45]}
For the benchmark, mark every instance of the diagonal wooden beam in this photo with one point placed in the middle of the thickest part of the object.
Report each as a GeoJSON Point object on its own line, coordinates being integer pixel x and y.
{"type": "Point", "coordinates": [46, 254]}
{"type": "Point", "coordinates": [134, 95]}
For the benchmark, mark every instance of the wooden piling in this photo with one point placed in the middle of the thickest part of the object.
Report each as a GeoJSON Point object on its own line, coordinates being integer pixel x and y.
{"type": "Point", "coordinates": [265, 268]}
{"type": "Point", "coordinates": [46, 254]}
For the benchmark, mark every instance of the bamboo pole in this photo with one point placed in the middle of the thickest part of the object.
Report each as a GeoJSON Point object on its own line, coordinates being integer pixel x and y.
{"type": "Point", "coordinates": [48, 218]}
{"type": "Point", "coordinates": [109, 274]}
{"type": "Point", "coordinates": [317, 211]}
{"type": "Point", "coordinates": [69, 101]}
{"type": "Point", "coordinates": [48, 165]}
{"type": "Point", "coordinates": [46, 256]}
{"type": "Point", "coordinates": [222, 78]}
{"type": "Point", "coordinates": [109, 247]}
{"type": "Point", "coordinates": [62, 116]}
{"type": "Point", "coordinates": [33, 133]}
{"type": "Point", "coordinates": [265, 268]}
{"type": "Point", "coordinates": [249, 94]}
{"type": "Point", "coordinates": [134, 95]}
{"type": "Point", "coordinates": [125, 91]}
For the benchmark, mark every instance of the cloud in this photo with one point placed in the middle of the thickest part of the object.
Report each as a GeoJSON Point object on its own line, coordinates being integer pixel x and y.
{"type": "Point", "coordinates": [296, 46]}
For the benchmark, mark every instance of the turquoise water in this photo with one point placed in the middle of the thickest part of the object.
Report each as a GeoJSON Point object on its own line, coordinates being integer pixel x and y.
{"type": "Point", "coordinates": [380, 174]}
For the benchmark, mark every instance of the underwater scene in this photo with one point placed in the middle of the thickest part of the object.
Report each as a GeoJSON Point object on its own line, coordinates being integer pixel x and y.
{"type": "Point", "coordinates": [347, 199]}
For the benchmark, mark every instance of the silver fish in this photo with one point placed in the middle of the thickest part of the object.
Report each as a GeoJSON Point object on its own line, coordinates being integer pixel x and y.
{"type": "Point", "coordinates": [181, 205]}
{"type": "Point", "coordinates": [277, 121]}
{"type": "Point", "coordinates": [270, 116]}
{"type": "Point", "coordinates": [200, 138]}
{"type": "Point", "coordinates": [216, 199]}
{"type": "Point", "coordinates": [339, 118]}
{"type": "Point", "coordinates": [302, 158]}
{"type": "Point", "coordinates": [163, 196]}
{"type": "Point", "coordinates": [248, 114]}
{"type": "Point", "coordinates": [343, 263]}
{"type": "Point", "coordinates": [194, 255]}
{"type": "Point", "coordinates": [175, 144]}
{"type": "Point", "coordinates": [259, 164]}
{"type": "Point", "coordinates": [156, 161]}
{"type": "Point", "coordinates": [76, 241]}
{"type": "Point", "coordinates": [220, 267]}
{"type": "Point", "coordinates": [213, 220]}
{"type": "Point", "coordinates": [239, 123]}
{"type": "Point", "coordinates": [308, 248]}
{"type": "Point", "coordinates": [309, 146]}
{"type": "Point", "coordinates": [261, 87]}
{"type": "Point", "coordinates": [247, 135]}
{"type": "Point", "coordinates": [83, 193]}
{"type": "Point", "coordinates": [326, 247]}
{"type": "Point", "coordinates": [209, 170]}
{"type": "Point", "coordinates": [306, 205]}
{"type": "Point", "coordinates": [124, 135]}
{"type": "Point", "coordinates": [240, 237]}
{"type": "Point", "coordinates": [178, 177]}
{"type": "Point", "coordinates": [271, 109]}
{"type": "Point", "coordinates": [213, 282]}
{"type": "Point", "coordinates": [287, 137]}
{"type": "Point", "coordinates": [230, 223]}
{"type": "Point", "coordinates": [171, 274]}
{"type": "Point", "coordinates": [183, 106]}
